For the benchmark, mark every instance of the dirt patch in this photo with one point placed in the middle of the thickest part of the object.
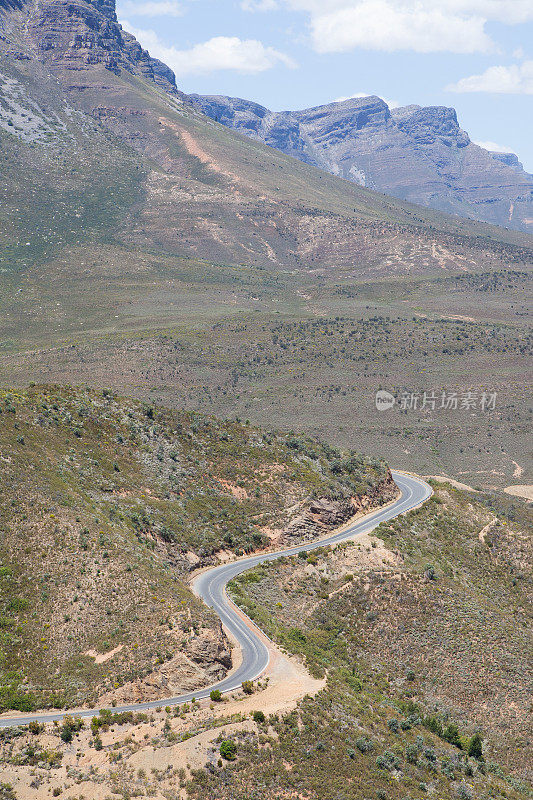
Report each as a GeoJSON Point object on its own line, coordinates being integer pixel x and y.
{"type": "Point", "coordinates": [101, 658]}
{"type": "Point", "coordinates": [237, 491]}
{"type": "Point", "coordinates": [483, 532]}
{"type": "Point", "coordinates": [525, 491]}
{"type": "Point", "coordinates": [451, 481]}
{"type": "Point", "coordinates": [194, 149]}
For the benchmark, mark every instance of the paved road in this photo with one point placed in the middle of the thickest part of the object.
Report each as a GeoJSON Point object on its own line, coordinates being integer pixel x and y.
{"type": "Point", "coordinates": [211, 587]}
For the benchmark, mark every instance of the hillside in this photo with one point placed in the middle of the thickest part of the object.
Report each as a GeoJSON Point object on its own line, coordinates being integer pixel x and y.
{"type": "Point", "coordinates": [429, 626]}
{"type": "Point", "coordinates": [421, 638]}
{"type": "Point", "coordinates": [145, 247]}
{"type": "Point", "coordinates": [108, 505]}
{"type": "Point", "coordinates": [237, 187]}
{"type": "Point", "coordinates": [417, 154]}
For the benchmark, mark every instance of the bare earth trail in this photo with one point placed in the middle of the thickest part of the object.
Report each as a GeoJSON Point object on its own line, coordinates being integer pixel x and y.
{"type": "Point", "coordinates": [256, 650]}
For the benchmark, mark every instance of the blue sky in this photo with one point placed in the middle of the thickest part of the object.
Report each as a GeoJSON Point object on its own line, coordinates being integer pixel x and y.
{"type": "Point", "coordinates": [475, 55]}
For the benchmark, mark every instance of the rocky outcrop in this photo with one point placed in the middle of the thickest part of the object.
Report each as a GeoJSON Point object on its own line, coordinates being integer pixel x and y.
{"type": "Point", "coordinates": [204, 660]}
{"type": "Point", "coordinates": [430, 126]}
{"type": "Point", "coordinates": [211, 651]}
{"type": "Point", "coordinates": [79, 35]}
{"type": "Point", "coordinates": [510, 159]}
{"type": "Point", "coordinates": [417, 154]}
{"type": "Point", "coordinates": [323, 514]}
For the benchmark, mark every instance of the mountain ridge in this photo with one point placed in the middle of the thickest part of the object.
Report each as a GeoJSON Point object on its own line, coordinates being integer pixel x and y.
{"type": "Point", "coordinates": [145, 247]}
{"type": "Point", "coordinates": [419, 154]}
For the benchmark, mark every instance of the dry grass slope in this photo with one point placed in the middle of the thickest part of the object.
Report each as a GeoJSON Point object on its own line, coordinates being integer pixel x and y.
{"type": "Point", "coordinates": [108, 504]}
{"type": "Point", "coordinates": [429, 626]}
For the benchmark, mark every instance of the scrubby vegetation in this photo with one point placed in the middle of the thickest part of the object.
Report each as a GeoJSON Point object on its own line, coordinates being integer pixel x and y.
{"type": "Point", "coordinates": [426, 691]}
{"type": "Point", "coordinates": [108, 504]}
{"type": "Point", "coordinates": [321, 374]}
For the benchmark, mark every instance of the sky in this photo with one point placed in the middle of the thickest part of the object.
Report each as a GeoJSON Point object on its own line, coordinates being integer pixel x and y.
{"type": "Point", "coordinates": [474, 55]}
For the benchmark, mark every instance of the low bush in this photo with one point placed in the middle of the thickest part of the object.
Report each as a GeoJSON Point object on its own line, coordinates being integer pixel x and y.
{"type": "Point", "coordinates": [228, 749]}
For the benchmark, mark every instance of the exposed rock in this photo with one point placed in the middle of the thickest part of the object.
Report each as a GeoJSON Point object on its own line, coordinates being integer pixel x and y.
{"type": "Point", "coordinates": [203, 661]}
{"type": "Point", "coordinates": [211, 650]}
{"type": "Point", "coordinates": [511, 159]}
{"type": "Point", "coordinates": [431, 125]}
{"type": "Point", "coordinates": [78, 35]}
{"type": "Point", "coordinates": [324, 514]}
{"type": "Point", "coordinates": [417, 154]}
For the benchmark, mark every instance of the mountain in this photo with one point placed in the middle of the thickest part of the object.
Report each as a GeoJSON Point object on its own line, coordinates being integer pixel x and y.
{"type": "Point", "coordinates": [197, 189]}
{"type": "Point", "coordinates": [148, 248]}
{"type": "Point", "coordinates": [413, 153]}
{"type": "Point", "coordinates": [74, 36]}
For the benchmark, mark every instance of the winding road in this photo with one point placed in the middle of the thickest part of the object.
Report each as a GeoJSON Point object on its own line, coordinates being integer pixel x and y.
{"type": "Point", "coordinates": [211, 587]}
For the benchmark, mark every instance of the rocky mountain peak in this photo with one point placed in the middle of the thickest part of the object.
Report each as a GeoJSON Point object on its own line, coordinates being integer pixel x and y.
{"type": "Point", "coordinates": [80, 35]}
{"type": "Point", "coordinates": [509, 159]}
{"type": "Point", "coordinates": [352, 114]}
{"type": "Point", "coordinates": [427, 124]}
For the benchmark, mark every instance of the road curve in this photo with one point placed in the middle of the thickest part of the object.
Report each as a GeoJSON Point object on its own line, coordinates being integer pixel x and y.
{"type": "Point", "coordinates": [211, 587]}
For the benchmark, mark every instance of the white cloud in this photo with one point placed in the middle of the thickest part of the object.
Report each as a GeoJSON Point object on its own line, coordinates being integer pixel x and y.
{"type": "Point", "coordinates": [495, 148]}
{"type": "Point", "coordinates": [508, 11]}
{"type": "Point", "coordinates": [457, 26]}
{"type": "Point", "coordinates": [248, 56]}
{"type": "Point", "coordinates": [390, 103]}
{"type": "Point", "coordinates": [259, 5]}
{"type": "Point", "coordinates": [514, 79]}
{"type": "Point", "coordinates": [151, 8]}
{"type": "Point", "coordinates": [383, 25]}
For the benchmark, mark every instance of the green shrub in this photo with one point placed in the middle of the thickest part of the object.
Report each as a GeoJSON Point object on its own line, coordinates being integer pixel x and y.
{"type": "Point", "coordinates": [70, 727]}
{"type": "Point", "coordinates": [216, 695]}
{"type": "Point", "coordinates": [34, 728]}
{"type": "Point", "coordinates": [475, 747]}
{"type": "Point", "coordinates": [410, 722]}
{"type": "Point", "coordinates": [258, 717]}
{"type": "Point", "coordinates": [248, 687]}
{"type": "Point", "coordinates": [228, 749]}
{"type": "Point", "coordinates": [388, 761]}
{"type": "Point", "coordinates": [66, 735]}
{"type": "Point", "coordinates": [18, 604]}
{"type": "Point", "coordinates": [451, 734]}
{"type": "Point", "coordinates": [364, 745]}
{"type": "Point", "coordinates": [411, 753]}
{"type": "Point", "coordinates": [433, 724]}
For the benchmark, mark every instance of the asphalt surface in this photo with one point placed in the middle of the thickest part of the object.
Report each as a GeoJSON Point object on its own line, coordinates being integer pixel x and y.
{"type": "Point", "coordinates": [211, 587]}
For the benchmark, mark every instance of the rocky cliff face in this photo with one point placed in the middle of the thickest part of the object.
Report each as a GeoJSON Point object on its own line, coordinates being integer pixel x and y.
{"type": "Point", "coordinates": [417, 154]}
{"type": "Point", "coordinates": [80, 35]}
{"type": "Point", "coordinates": [323, 514]}
{"type": "Point", "coordinates": [511, 159]}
